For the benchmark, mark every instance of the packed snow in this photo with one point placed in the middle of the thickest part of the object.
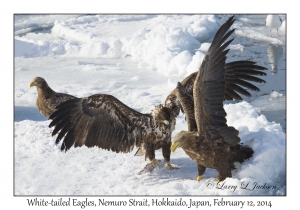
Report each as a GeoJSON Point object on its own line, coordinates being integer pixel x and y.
{"type": "Point", "coordinates": [139, 59]}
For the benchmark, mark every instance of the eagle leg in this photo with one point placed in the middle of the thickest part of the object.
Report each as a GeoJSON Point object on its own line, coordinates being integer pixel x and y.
{"type": "Point", "coordinates": [166, 152]}
{"type": "Point", "coordinates": [201, 170]}
{"type": "Point", "coordinates": [150, 151]}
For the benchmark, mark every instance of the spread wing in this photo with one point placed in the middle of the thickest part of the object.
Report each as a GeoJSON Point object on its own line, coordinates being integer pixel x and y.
{"type": "Point", "coordinates": [209, 90]}
{"type": "Point", "coordinates": [238, 75]}
{"type": "Point", "coordinates": [99, 120]}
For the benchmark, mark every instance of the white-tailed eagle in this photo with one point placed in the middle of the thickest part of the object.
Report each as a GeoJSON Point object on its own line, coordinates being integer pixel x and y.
{"type": "Point", "coordinates": [209, 141]}
{"type": "Point", "coordinates": [104, 121]}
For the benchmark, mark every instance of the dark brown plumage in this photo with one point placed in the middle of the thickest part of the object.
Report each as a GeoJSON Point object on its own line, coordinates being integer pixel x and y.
{"type": "Point", "coordinates": [104, 121]}
{"type": "Point", "coordinates": [209, 141]}
{"type": "Point", "coordinates": [237, 77]}
{"type": "Point", "coordinates": [47, 99]}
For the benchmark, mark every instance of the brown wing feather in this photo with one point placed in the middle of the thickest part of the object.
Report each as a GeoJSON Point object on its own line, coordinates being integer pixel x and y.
{"type": "Point", "coordinates": [188, 82]}
{"type": "Point", "coordinates": [233, 75]}
{"type": "Point", "coordinates": [237, 77]}
{"type": "Point", "coordinates": [99, 120]}
{"type": "Point", "coordinates": [172, 101]}
{"type": "Point", "coordinates": [209, 90]}
{"type": "Point", "coordinates": [237, 82]}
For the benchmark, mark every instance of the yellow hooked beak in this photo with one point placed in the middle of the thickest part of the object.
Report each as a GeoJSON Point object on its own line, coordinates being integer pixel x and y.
{"type": "Point", "coordinates": [32, 84]}
{"type": "Point", "coordinates": [174, 146]}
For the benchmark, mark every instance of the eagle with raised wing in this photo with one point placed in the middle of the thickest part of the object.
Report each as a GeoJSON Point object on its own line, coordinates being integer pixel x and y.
{"type": "Point", "coordinates": [238, 75]}
{"type": "Point", "coordinates": [104, 121]}
{"type": "Point", "coordinates": [209, 140]}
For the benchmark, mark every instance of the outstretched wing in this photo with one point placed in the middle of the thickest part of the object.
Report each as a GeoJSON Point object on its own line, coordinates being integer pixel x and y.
{"type": "Point", "coordinates": [238, 75]}
{"type": "Point", "coordinates": [209, 90]}
{"type": "Point", "coordinates": [99, 120]}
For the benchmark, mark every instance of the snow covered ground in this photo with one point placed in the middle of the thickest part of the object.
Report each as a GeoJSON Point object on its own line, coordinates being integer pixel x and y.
{"type": "Point", "coordinates": [139, 59]}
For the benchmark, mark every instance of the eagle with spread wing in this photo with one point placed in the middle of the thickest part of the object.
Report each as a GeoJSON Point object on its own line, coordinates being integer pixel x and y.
{"type": "Point", "coordinates": [209, 140]}
{"type": "Point", "coordinates": [104, 121]}
{"type": "Point", "coordinates": [47, 99]}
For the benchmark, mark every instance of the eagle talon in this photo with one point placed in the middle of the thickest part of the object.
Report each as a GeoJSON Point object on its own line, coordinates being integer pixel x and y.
{"type": "Point", "coordinates": [150, 166]}
{"type": "Point", "coordinates": [199, 178]}
{"type": "Point", "coordinates": [155, 162]}
{"type": "Point", "coordinates": [169, 166]}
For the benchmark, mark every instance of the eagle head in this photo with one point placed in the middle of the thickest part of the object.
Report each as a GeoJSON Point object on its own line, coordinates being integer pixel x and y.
{"type": "Point", "coordinates": [38, 82]}
{"type": "Point", "coordinates": [183, 139]}
{"type": "Point", "coordinates": [161, 114]}
{"type": "Point", "coordinates": [173, 104]}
